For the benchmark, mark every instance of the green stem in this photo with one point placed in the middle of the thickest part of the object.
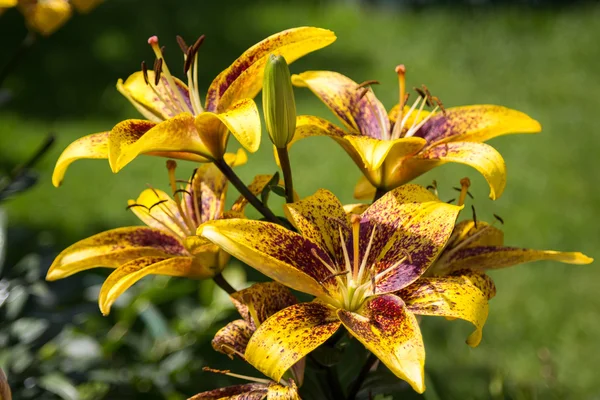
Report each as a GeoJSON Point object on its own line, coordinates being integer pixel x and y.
{"type": "Point", "coordinates": [378, 194]}
{"type": "Point", "coordinates": [223, 284]}
{"type": "Point", "coordinates": [284, 160]}
{"type": "Point", "coordinates": [362, 375]}
{"type": "Point", "coordinates": [244, 191]}
{"type": "Point", "coordinates": [334, 383]}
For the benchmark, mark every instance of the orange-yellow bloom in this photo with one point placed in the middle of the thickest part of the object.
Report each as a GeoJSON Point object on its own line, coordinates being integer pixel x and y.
{"type": "Point", "coordinates": [355, 266]}
{"type": "Point", "coordinates": [177, 124]}
{"type": "Point", "coordinates": [47, 16]}
{"type": "Point", "coordinates": [392, 149]}
{"type": "Point", "coordinates": [168, 244]}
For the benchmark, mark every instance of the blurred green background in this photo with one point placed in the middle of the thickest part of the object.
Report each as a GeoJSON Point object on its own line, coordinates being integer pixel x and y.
{"type": "Point", "coordinates": [541, 339]}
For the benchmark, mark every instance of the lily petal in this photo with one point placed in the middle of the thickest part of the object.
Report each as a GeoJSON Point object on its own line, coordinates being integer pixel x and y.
{"type": "Point", "coordinates": [243, 78]}
{"type": "Point", "coordinates": [482, 157]}
{"type": "Point", "coordinates": [364, 189]}
{"type": "Point", "coordinates": [129, 273]}
{"type": "Point", "coordinates": [361, 112]}
{"type": "Point", "coordinates": [241, 119]}
{"type": "Point", "coordinates": [265, 298]}
{"type": "Point", "coordinates": [321, 218]}
{"type": "Point", "coordinates": [248, 391]}
{"type": "Point", "coordinates": [411, 224]}
{"type": "Point", "coordinates": [496, 257]}
{"type": "Point", "coordinates": [286, 337]}
{"type": "Point", "coordinates": [158, 210]}
{"type": "Point", "coordinates": [384, 326]}
{"type": "Point", "coordinates": [233, 338]}
{"type": "Point", "coordinates": [154, 102]}
{"type": "Point", "coordinates": [132, 137]}
{"type": "Point", "coordinates": [476, 123]}
{"type": "Point", "coordinates": [451, 296]}
{"type": "Point", "coordinates": [356, 209]}
{"type": "Point", "coordinates": [475, 234]}
{"type": "Point", "coordinates": [373, 152]}
{"type": "Point", "coordinates": [92, 146]}
{"type": "Point", "coordinates": [282, 255]}
{"type": "Point", "coordinates": [113, 248]}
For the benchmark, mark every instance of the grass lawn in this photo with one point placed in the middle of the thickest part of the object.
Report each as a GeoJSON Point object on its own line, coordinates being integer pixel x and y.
{"type": "Point", "coordinates": [541, 338]}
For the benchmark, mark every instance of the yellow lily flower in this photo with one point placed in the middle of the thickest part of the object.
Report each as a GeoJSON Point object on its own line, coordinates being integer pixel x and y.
{"type": "Point", "coordinates": [177, 125]}
{"type": "Point", "coordinates": [392, 149]}
{"type": "Point", "coordinates": [167, 245]}
{"type": "Point", "coordinates": [255, 305]}
{"type": "Point", "coordinates": [47, 16]}
{"type": "Point", "coordinates": [355, 266]}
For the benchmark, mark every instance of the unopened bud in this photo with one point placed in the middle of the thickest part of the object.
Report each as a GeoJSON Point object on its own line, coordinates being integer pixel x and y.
{"type": "Point", "coordinates": [279, 105]}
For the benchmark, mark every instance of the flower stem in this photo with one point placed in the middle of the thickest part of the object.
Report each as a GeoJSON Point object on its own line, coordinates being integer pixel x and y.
{"type": "Point", "coordinates": [19, 53]}
{"type": "Point", "coordinates": [284, 160]}
{"type": "Point", "coordinates": [244, 191]}
{"type": "Point", "coordinates": [362, 375]}
{"type": "Point", "coordinates": [223, 284]}
{"type": "Point", "coordinates": [378, 194]}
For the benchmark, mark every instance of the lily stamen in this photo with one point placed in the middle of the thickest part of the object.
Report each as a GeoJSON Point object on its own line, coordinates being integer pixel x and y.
{"type": "Point", "coordinates": [172, 88]}
{"type": "Point", "coordinates": [248, 301]}
{"type": "Point", "coordinates": [230, 351]}
{"type": "Point", "coordinates": [190, 68]}
{"type": "Point", "coordinates": [229, 373]}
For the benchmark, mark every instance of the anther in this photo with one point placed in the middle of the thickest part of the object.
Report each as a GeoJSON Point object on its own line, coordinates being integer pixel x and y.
{"type": "Point", "coordinates": [459, 189]}
{"type": "Point", "coordinates": [499, 219]}
{"type": "Point", "coordinates": [157, 204]}
{"type": "Point", "coordinates": [322, 281]}
{"type": "Point", "coordinates": [158, 64]}
{"type": "Point", "coordinates": [191, 53]}
{"type": "Point", "coordinates": [182, 44]}
{"type": "Point", "coordinates": [428, 96]}
{"type": "Point", "coordinates": [433, 187]}
{"type": "Point", "coordinates": [136, 205]}
{"type": "Point", "coordinates": [474, 216]}
{"type": "Point", "coordinates": [367, 83]}
{"type": "Point", "coordinates": [464, 183]}
{"type": "Point", "coordinates": [420, 92]}
{"type": "Point", "coordinates": [145, 73]}
{"type": "Point", "coordinates": [451, 201]}
{"type": "Point", "coordinates": [182, 190]}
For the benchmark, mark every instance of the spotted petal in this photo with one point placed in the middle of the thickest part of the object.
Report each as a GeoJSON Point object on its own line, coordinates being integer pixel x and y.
{"type": "Point", "coordinates": [482, 157]}
{"type": "Point", "coordinates": [412, 227]}
{"type": "Point", "coordinates": [286, 337]}
{"type": "Point", "coordinates": [129, 273]}
{"type": "Point", "coordinates": [248, 391]}
{"type": "Point", "coordinates": [154, 102]}
{"type": "Point", "coordinates": [360, 112]}
{"type": "Point", "coordinates": [321, 218]}
{"type": "Point", "coordinates": [233, 338]}
{"type": "Point", "coordinates": [264, 298]}
{"type": "Point", "coordinates": [92, 146]}
{"type": "Point", "coordinates": [243, 78]}
{"type": "Point", "coordinates": [469, 233]}
{"type": "Point", "coordinates": [114, 248]}
{"type": "Point", "coordinates": [158, 210]}
{"type": "Point", "coordinates": [132, 137]}
{"type": "Point", "coordinates": [241, 119]}
{"type": "Point", "coordinates": [256, 187]}
{"type": "Point", "coordinates": [282, 255]}
{"type": "Point", "coordinates": [451, 296]}
{"type": "Point", "coordinates": [389, 331]}
{"type": "Point", "coordinates": [476, 123]}
{"type": "Point", "coordinates": [496, 257]}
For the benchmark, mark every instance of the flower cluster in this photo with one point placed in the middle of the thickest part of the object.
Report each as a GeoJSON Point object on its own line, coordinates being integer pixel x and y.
{"type": "Point", "coordinates": [369, 271]}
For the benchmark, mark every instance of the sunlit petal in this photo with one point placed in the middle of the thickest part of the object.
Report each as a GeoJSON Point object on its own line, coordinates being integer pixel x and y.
{"type": "Point", "coordinates": [243, 78]}
{"type": "Point", "coordinates": [129, 273]}
{"type": "Point", "coordinates": [373, 152]}
{"type": "Point", "coordinates": [158, 210]}
{"type": "Point", "coordinates": [92, 146]}
{"type": "Point", "coordinates": [277, 252]}
{"type": "Point", "coordinates": [114, 248]}
{"type": "Point", "coordinates": [286, 337]}
{"type": "Point", "coordinates": [265, 298]}
{"type": "Point", "coordinates": [384, 326]}
{"type": "Point", "coordinates": [451, 296]}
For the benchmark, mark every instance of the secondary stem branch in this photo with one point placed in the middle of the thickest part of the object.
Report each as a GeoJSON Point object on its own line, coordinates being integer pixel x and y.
{"type": "Point", "coordinates": [286, 167]}
{"type": "Point", "coordinates": [223, 284]}
{"type": "Point", "coordinates": [244, 191]}
{"type": "Point", "coordinates": [378, 194]}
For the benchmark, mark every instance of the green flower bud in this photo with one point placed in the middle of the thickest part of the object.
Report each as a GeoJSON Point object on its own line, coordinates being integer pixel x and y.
{"type": "Point", "coordinates": [279, 105]}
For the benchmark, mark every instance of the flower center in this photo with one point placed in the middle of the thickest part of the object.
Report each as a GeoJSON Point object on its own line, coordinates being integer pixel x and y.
{"type": "Point", "coordinates": [356, 278]}
{"type": "Point", "coordinates": [402, 128]}
{"type": "Point", "coordinates": [174, 94]}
